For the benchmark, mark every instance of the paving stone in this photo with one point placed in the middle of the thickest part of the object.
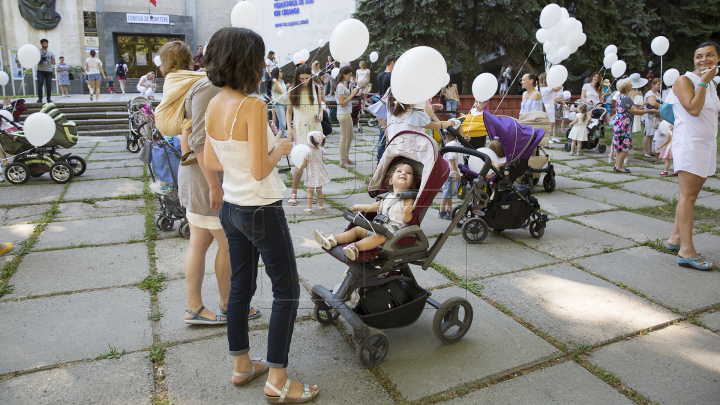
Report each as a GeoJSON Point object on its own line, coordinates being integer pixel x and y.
{"type": "Point", "coordinates": [568, 240]}
{"type": "Point", "coordinates": [98, 231]}
{"type": "Point", "coordinates": [111, 147]}
{"type": "Point", "coordinates": [710, 202]}
{"type": "Point", "coordinates": [318, 355]}
{"type": "Point", "coordinates": [658, 276]}
{"type": "Point", "coordinates": [712, 182]}
{"type": "Point", "coordinates": [119, 164]}
{"type": "Point", "coordinates": [27, 213]}
{"type": "Point", "coordinates": [337, 172]}
{"type": "Point", "coordinates": [297, 213]}
{"type": "Point", "coordinates": [617, 197]}
{"type": "Point", "coordinates": [574, 306]}
{"type": "Point", "coordinates": [103, 189]}
{"type": "Point", "coordinates": [113, 156]}
{"type": "Point", "coordinates": [432, 225]}
{"type": "Point", "coordinates": [683, 358]}
{"type": "Point", "coordinates": [647, 171]}
{"type": "Point", "coordinates": [30, 194]}
{"type": "Point", "coordinates": [707, 244]}
{"type": "Point", "coordinates": [581, 162]}
{"type": "Point", "coordinates": [16, 234]}
{"type": "Point", "coordinates": [351, 199]}
{"type": "Point", "coordinates": [711, 319]}
{"type": "Point", "coordinates": [652, 187]}
{"type": "Point", "coordinates": [79, 326]}
{"type": "Point", "coordinates": [565, 383]}
{"type": "Point", "coordinates": [366, 167]}
{"type": "Point", "coordinates": [629, 225]}
{"type": "Point", "coordinates": [96, 267]}
{"type": "Point", "coordinates": [495, 255]}
{"type": "Point", "coordinates": [81, 210]}
{"type": "Point", "coordinates": [127, 380]}
{"type": "Point", "coordinates": [563, 169]}
{"type": "Point", "coordinates": [559, 154]}
{"type": "Point", "coordinates": [559, 203]}
{"type": "Point", "coordinates": [302, 233]}
{"type": "Point", "coordinates": [495, 345]}
{"type": "Point", "coordinates": [111, 173]}
{"type": "Point", "coordinates": [604, 176]}
{"type": "Point", "coordinates": [562, 182]}
{"type": "Point", "coordinates": [170, 256]}
{"type": "Point", "coordinates": [334, 188]}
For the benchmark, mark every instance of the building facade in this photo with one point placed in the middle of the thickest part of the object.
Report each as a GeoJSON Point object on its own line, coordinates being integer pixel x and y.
{"type": "Point", "coordinates": [135, 29]}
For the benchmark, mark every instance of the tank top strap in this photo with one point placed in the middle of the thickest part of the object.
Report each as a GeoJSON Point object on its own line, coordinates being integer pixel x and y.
{"type": "Point", "coordinates": [232, 128]}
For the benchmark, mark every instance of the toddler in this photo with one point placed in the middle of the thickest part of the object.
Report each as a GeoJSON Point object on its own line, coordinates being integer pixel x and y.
{"type": "Point", "coordinates": [666, 153]}
{"type": "Point", "coordinates": [451, 184]}
{"type": "Point", "coordinates": [316, 175]}
{"type": "Point", "coordinates": [578, 133]}
{"type": "Point", "coordinates": [658, 139]}
{"type": "Point", "coordinates": [7, 105]}
{"type": "Point", "coordinates": [111, 85]}
{"type": "Point", "coordinates": [398, 211]}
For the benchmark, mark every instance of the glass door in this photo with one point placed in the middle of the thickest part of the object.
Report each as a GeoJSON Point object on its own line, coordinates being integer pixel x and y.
{"type": "Point", "coordinates": [139, 51]}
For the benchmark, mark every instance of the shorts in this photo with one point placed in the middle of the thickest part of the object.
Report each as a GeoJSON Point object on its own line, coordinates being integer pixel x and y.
{"type": "Point", "coordinates": [366, 89]}
{"type": "Point", "coordinates": [94, 77]}
{"type": "Point", "coordinates": [121, 77]}
{"type": "Point", "coordinates": [449, 188]}
{"type": "Point", "coordinates": [111, 88]}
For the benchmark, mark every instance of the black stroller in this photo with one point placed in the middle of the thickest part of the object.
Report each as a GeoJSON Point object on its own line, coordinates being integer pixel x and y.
{"type": "Point", "coordinates": [596, 130]}
{"type": "Point", "coordinates": [390, 296]}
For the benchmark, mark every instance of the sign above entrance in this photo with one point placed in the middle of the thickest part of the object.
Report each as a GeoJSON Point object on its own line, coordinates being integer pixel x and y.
{"type": "Point", "coordinates": [148, 18]}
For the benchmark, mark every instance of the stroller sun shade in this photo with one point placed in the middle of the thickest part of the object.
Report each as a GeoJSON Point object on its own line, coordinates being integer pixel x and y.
{"type": "Point", "coordinates": [518, 141]}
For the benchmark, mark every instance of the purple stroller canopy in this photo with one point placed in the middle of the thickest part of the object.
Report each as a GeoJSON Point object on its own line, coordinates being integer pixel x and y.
{"type": "Point", "coordinates": [518, 141]}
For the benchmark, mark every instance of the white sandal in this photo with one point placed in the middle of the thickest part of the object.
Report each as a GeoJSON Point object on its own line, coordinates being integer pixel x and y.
{"type": "Point", "coordinates": [308, 211]}
{"type": "Point", "coordinates": [324, 241]}
{"type": "Point", "coordinates": [252, 374]}
{"type": "Point", "coordinates": [307, 395]}
{"type": "Point", "coordinates": [351, 251]}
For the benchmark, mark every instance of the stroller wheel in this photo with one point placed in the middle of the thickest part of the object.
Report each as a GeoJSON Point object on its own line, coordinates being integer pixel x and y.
{"type": "Point", "coordinates": [325, 316]}
{"type": "Point", "coordinates": [61, 172]}
{"type": "Point", "coordinates": [452, 320]}
{"type": "Point", "coordinates": [567, 146]}
{"type": "Point", "coordinates": [549, 183]}
{"type": "Point", "coordinates": [184, 229]}
{"type": "Point", "coordinates": [536, 229]}
{"type": "Point", "coordinates": [372, 122]}
{"type": "Point", "coordinates": [133, 146]}
{"type": "Point", "coordinates": [78, 164]}
{"type": "Point", "coordinates": [164, 223]}
{"type": "Point", "coordinates": [602, 148]}
{"type": "Point", "coordinates": [380, 344]}
{"type": "Point", "coordinates": [17, 173]}
{"type": "Point", "coordinates": [455, 212]}
{"type": "Point", "coordinates": [475, 230]}
{"type": "Point", "coordinates": [535, 181]}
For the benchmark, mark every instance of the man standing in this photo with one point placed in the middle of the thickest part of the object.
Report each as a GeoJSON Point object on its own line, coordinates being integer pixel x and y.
{"type": "Point", "coordinates": [383, 84]}
{"type": "Point", "coordinates": [45, 71]}
{"type": "Point", "coordinates": [198, 59]}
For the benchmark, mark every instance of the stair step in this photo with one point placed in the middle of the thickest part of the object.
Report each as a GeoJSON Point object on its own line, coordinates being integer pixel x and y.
{"type": "Point", "coordinates": [102, 132]}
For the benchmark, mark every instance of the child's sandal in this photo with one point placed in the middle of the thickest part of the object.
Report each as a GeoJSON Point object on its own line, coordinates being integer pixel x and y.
{"type": "Point", "coordinates": [351, 251]}
{"type": "Point", "coordinates": [321, 209]}
{"type": "Point", "coordinates": [326, 241]}
{"type": "Point", "coordinates": [292, 200]}
{"type": "Point", "coordinates": [308, 211]}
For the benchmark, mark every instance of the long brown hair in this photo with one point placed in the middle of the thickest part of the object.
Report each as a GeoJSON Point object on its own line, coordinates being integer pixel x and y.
{"type": "Point", "coordinates": [343, 71]}
{"type": "Point", "coordinates": [395, 107]}
{"type": "Point", "coordinates": [597, 87]}
{"type": "Point", "coordinates": [294, 94]}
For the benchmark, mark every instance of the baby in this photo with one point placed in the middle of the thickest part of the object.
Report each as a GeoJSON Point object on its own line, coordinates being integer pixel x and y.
{"type": "Point", "coordinates": [399, 213]}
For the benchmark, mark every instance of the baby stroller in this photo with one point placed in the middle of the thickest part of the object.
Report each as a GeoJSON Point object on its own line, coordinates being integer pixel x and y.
{"type": "Point", "coordinates": [371, 99]}
{"type": "Point", "coordinates": [508, 206]}
{"type": "Point", "coordinates": [31, 161]}
{"type": "Point", "coordinates": [596, 130]}
{"type": "Point", "coordinates": [17, 107]}
{"type": "Point", "coordinates": [540, 158]}
{"type": "Point", "coordinates": [139, 108]}
{"type": "Point", "coordinates": [390, 296]}
{"type": "Point", "coordinates": [355, 113]}
{"type": "Point", "coordinates": [162, 155]}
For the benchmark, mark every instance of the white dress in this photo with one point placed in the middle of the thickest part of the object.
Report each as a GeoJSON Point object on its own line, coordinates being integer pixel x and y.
{"type": "Point", "coordinates": [316, 175]}
{"type": "Point", "coordinates": [579, 130]}
{"type": "Point", "coordinates": [637, 120]}
{"type": "Point", "coordinates": [548, 98]}
{"type": "Point", "coordinates": [694, 140]}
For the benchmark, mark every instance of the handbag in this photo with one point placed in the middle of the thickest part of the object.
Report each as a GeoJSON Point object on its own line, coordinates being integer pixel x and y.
{"type": "Point", "coordinates": [70, 76]}
{"type": "Point", "coordinates": [382, 298]}
{"type": "Point", "coordinates": [666, 112]}
{"type": "Point", "coordinates": [325, 123]}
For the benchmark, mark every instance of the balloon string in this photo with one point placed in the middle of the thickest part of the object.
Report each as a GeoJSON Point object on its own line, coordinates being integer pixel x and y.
{"type": "Point", "coordinates": [288, 91]}
{"type": "Point", "coordinates": [516, 76]}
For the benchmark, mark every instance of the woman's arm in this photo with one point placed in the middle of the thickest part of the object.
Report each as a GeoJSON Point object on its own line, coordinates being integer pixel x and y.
{"type": "Point", "coordinates": [555, 89]}
{"type": "Point", "coordinates": [262, 164]}
{"type": "Point", "coordinates": [216, 192]}
{"type": "Point", "coordinates": [435, 123]}
{"type": "Point", "coordinates": [653, 102]}
{"type": "Point", "coordinates": [343, 100]}
{"type": "Point", "coordinates": [87, 68]}
{"type": "Point", "coordinates": [691, 100]}
{"type": "Point", "coordinates": [582, 97]}
{"type": "Point", "coordinates": [641, 111]}
{"type": "Point", "coordinates": [288, 120]}
{"type": "Point", "coordinates": [210, 159]}
{"type": "Point", "coordinates": [278, 89]}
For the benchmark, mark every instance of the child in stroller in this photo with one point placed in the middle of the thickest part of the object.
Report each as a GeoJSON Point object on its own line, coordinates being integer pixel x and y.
{"type": "Point", "coordinates": [595, 131]}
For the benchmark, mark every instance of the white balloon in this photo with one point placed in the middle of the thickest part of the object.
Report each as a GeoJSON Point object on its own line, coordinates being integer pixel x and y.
{"type": "Point", "coordinates": [573, 49]}
{"type": "Point", "coordinates": [296, 58]}
{"type": "Point", "coordinates": [609, 60]}
{"type": "Point", "coordinates": [7, 115]}
{"type": "Point", "coordinates": [475, 163]}
{"type": "Point", "coordinates": [157, 60]}
{"type": "Point", "coordinates": [304, 55]}
{"type": "Point", "coordinates": [349, 40]}
{"type": "Point", "coordinates": [569, 25]}
{"type": "Point", "coordinates": [541, 35]}
{"type": "Point", "coordinates": [556, 76]}
{"type": "Point", "coordinates": [583, 38]}
{"type": "Point", "coordinates": [373, 56]}
{"type": "Point", "coordinates": [664, 127]}
{"type": "Point", "coordinates": [660, 45]}
{"type": "Point", "coordinates": [321, 42]}
{"type": "Point", "coordinates": [567, 94]}
{"type": "Point", "coordinates": [28, 56]}
{"type": "Point", "coordinates": [244, 15]}
{"type": "Point", "coordinates": [335, 72]}
{"type": "Point", "coordinates": [550, 35]}
{"type": "Point", "coordinates": [296, 155]}
{"type": "Point", "coordinates": [650, 64]}
{"type": "Point", "coordinates": [610, 49]}
{"type": "Point", "coordinates": [550, 47]}
{"type": "Point", "coordinates": [418, 75]}
{"type": "Point", "coordinates": [4, 78]}
{"type": "Point", "coordinates": [447, 80]}
{"type": "Point", "coordinates": [572, 40]}
{"type": "Point", "coordinates": [484, 86]}
{"type": "Point", "coordinates": [618, 68]}
{"type": "Point", "coordinates": [564, 15]}
{"type": "Point", "coordinates": [39, 128]}
{"type": "Point", "coordinates": [716, 79]}
{"type": "Point", "coordinates": [563, 53]}
{"type": "Point", "coordinates": [281, 34]}
{"type": "Point", "coordinates": [670, 76]}
{"type": "Point", "coordinates": [550, 16]}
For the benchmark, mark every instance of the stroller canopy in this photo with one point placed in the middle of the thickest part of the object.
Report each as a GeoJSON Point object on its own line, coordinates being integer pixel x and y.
{"type": "Point", "coordinates": [518, 141]}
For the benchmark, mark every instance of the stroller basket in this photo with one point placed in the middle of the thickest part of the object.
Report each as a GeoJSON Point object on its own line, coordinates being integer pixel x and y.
{"type": "Point", "coordinates": [400, 316]}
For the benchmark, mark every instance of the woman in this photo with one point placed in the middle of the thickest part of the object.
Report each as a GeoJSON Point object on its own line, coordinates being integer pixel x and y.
{"type": "Point", "coordinates": [502, 80]}
{"type": "Point", "coordinates": [591, 91]}
{"type": "Point", "coordinates": [94, 72]}
{"type": "Point", "coordinates": [252, 214]}
{"type": "Point", "coordinates": [451, 97]}
{"type": "Point", "coordinates": [622, 135]}
{"type": "Point", "coordinates": [146, 86]}
{"type": "Point", "coordinates": [531, 98]}
{"type": "Point", "coordinates": [302, 116]}
{"type": "Point", "coordinates": [653, 99]}
{"type": "Point", "coordinates": [362, 78]}
{"type": "Point", "coordinates": [548, 95]}
{"type": "Point", "coordinates": [344, 108]}
{"type": "Point", "coordinates": [328, 69]}
{"type": "Point", "coordinates": [402, 117]}
{"type": "Point", "coordinates": [121, 72]}
{"type": "Point", "coordinates": [695, 105]}
{"type": "Point", "coordinates": [63, 77]}
{"type": "Point", "coordinates": [270, 64]}
{"type": "Point", "coordinates": [279, 97]}
{"type": "Point", "coordinates": [315, 67]}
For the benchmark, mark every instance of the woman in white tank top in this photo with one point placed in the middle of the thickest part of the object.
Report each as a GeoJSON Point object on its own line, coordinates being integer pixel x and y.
{"type": "Point", "coordinates": [252, 216]}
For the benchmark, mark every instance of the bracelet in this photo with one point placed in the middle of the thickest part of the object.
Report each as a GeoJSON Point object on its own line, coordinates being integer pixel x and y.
{"type": "Point", "coordinates": [703, 84]}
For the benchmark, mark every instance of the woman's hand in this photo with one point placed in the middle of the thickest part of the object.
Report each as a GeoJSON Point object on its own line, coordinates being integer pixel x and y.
{"type": "Point", "coordinates": [283, 145]}
{"type": "Point", "coordinates": [216, 198]}
{"type": "Point", "coordinates": [709, 74]}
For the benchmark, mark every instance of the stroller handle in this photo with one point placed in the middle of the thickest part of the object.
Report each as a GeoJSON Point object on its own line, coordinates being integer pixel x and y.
{"type": "Point", "coordinates": [485, 158]}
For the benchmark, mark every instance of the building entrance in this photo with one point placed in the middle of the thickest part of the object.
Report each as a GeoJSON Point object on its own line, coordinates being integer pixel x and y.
{"type": "Point", "coordinates": [139, 52]}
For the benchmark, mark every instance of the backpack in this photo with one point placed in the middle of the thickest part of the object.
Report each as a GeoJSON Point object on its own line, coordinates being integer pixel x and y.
{"type": "Point", "coordinates": [120, 71]}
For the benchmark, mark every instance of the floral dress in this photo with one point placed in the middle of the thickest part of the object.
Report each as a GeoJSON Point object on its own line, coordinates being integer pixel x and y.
{"type": "Point", "coordinates": [622, 138]}
{"type": "Point", "coordinates": [316, 175]}
{"type": "Point", "coordinates": [64, 76]}
{"type": "Point", "coordinates": [305, 118]}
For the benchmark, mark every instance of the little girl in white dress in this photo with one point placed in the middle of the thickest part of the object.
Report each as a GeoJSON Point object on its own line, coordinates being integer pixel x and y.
{"type": "Point", "coordinates": [579, 132]}
{"type": "Point", "coordinates": [316, 174]}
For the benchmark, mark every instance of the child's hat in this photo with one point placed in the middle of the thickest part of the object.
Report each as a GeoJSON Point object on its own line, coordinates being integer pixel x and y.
{"type": "Point", "coordinates": [318, 136]}
{"type": "Point", "coordinates": [606, 82]}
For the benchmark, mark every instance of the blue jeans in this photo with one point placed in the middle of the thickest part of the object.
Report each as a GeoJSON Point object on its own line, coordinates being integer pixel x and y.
{"type": "Point", "coordinates": [254, 232]}
{"type": "Point", "coordinates": [451, 105]}
{"type": "Point", "coordinates": [381, 144]}
{"type": "Point", "coordinates": [280, 115]}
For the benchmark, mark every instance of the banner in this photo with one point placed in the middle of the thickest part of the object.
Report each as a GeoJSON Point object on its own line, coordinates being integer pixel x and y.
{"type": "Point", "coordinates": [15, 65]}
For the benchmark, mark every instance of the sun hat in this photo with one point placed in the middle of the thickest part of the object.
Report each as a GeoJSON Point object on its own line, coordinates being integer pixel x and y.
{"type": "Point", "coordinates": [637, 81]}
{"type": "Point", "coordinates": [606, 82]}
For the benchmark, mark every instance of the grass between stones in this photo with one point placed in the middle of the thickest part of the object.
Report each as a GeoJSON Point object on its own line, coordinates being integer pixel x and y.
{"type": "Point", "coordinates": [705, 218]}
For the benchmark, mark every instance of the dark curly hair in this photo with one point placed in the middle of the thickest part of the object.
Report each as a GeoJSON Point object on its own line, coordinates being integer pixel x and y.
{"type": "Point", "coordinates": [235, 58]}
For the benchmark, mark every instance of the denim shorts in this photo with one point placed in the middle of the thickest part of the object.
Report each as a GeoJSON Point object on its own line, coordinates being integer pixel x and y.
{"type": "Point", "coordinates": [94, 77]}
{"type": "Point", "coordinates": [449, 188]}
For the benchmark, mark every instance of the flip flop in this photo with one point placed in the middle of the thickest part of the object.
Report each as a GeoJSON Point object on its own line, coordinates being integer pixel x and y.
{"type": "Point", "coordinates": [199, 320]}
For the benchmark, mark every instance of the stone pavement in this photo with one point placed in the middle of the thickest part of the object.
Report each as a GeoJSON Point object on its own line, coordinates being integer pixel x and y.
{"type": "Point", "coordinates": [594, 312]}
